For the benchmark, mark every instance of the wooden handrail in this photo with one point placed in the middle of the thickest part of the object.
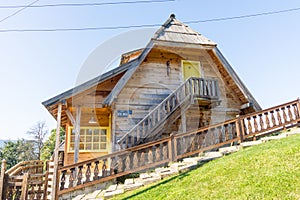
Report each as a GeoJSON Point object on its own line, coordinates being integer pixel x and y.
{"type": "Point", "coordinates": [177, 146]}
{"type": "Point", "coordinates": [200, 87]}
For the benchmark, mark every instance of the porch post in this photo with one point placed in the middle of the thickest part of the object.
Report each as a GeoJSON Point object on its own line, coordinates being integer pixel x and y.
{"type": "Point", "coordinates": [77, 134]}
{"type": "Point", "coordinates": [55, 178]}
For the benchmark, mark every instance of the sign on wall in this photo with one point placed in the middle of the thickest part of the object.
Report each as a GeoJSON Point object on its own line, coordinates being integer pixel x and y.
{"type": "Point", "coordinates": [124, 113]}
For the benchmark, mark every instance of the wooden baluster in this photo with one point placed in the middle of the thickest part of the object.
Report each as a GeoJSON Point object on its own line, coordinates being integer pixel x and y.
{"type": "Point", "coordinates": [127, 162]}
{"type": "Point", "coordinates": [71, 178]}
{"type": "Point", "coordinates": [273, 118]}
{"type": "Point", "coordinates": [296, 113]}
{"type": "Point", "coordinates": [220, 134]}
{"type": "Point", "coordinates": [255, 123]}
{"type": "Point", "coordinates": [278, 116]}
{"type": "Point", "coordinates": [157, 153]}
{"type": "Point", "coordinates": [267, 120]}
{"type": "Point", "coordinates": [88, 173]}
{"type": "Point", "coordinates": [32, 193]}
{"type": "Point", "coordinates": [142, 159]}
{"type": "Point", "coordinates": [113, 166]}
{"type": "Point", "coordinates": [121, 164]}
{"type": "Point", "coordinates": [96, 171]}
{"type": "Point", "coordinates": [165, 151]}
{"type": "Point", "coordinates": [226, 132]}
{"type": "Point", "coordinates": [249, 125]}
{"type": "Point", "coordinates": [63, 179]}
{"type": "Point", "coordinates": [150, 155]}
{"type": "Point", "coordinates": [135, 160]}
{"type": "Point", "coordinates": [233, 131]}
{"type": "Point", "coordinates": [284, 114]}
{"type": "Point", "coordinates": [132, 138]}
{"type": "Point", "coordinates": [104, 168]}
{"type": "Point", "coordinates": [127, 141]}
{"type": "Point", "coordinates": [79, 175]}
{"type": "Point", "coordinates": [39, 192]}
{"type": "Point", "coordinates": [213, 138]}
{"type": "Point", "coordinates": [290, 113]}
{"type": "Point", "coordinates": [261, 122]}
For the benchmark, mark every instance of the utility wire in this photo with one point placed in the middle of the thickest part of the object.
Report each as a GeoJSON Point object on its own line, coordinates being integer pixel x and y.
{"type": "Point", "coordinates": [84, 4]}
{"type": "Point", "coordinates": [148, 25]}
{"type": "Point", "coordinates": [18, 11]}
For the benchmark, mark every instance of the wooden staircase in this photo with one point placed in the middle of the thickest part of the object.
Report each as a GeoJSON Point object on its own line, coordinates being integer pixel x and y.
{"type": "Point", "coordinates": [150, 155]}
{"type": "Point", "coordinates": [26, 180]}
{"type": "Point", "coordinates": [170, 109]}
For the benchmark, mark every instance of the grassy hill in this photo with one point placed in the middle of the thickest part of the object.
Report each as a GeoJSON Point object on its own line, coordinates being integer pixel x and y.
{"type": "Point", "coordinates": [268, 171]}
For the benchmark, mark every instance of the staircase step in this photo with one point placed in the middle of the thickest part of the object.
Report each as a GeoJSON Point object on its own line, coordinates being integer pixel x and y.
{"type": "Point", "coordinates": [92, 195]}
{"type": "Point", "coordinates": [208, 156]}
{"type": "Point", "coordinates": [228, 150]}
{"type": "Point", "coordinates": [277, 137]}
{"type": "Point", "coordinates": [79, 197]}
{"type": "Point", "coordinates": [251, 143]}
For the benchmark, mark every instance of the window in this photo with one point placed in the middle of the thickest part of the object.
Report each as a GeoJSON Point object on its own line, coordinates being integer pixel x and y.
{"type": "Point", "coordinates": [91, 139]}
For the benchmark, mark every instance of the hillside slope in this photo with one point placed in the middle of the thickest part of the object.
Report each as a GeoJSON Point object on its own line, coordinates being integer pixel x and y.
{"type": "Point", "coordinates": [268, 171]}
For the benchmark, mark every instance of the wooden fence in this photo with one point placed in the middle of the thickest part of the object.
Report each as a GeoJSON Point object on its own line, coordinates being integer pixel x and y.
{"type": "Point", "coordinates": [26, 180]}
{"type": "Point", "coordinates": [150, 155]}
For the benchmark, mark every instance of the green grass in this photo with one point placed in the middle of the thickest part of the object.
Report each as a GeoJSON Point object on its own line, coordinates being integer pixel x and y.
{"type": "Point", "coordinates": [268, 171]}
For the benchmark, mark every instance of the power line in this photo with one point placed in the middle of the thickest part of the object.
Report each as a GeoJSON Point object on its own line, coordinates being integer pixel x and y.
{"type": "Point", "coordinates": [148, 25]}
{"type": "Point", "coordinates": [84, 4]}
{"type": "Point", "coordinates": [18, 11]}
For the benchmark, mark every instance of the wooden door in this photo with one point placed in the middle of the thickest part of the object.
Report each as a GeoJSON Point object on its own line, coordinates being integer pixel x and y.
{"type": "Point", "coordinates": [190, 69]}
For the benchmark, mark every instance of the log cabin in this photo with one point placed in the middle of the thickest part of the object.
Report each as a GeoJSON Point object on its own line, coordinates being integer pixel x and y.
{"type": "Point", "coordinates": [178, 82]}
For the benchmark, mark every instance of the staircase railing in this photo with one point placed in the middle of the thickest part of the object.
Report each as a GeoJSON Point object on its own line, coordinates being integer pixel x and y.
{"type": "Point", "coordinates": [191, 88]}
{"type": "Point", "coordinates": [26, 180]}
{"type": "Point", "coordinates": [174, 147]}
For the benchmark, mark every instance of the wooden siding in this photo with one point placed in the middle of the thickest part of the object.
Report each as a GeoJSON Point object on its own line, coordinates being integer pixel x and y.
{"type": "Point", "coordinates": [150, 84]}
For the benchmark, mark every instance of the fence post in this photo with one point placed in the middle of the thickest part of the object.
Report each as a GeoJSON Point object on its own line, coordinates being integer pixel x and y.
{"type": "Point", "coordinates": [172, 148]}
{"type": "Point", "coordinates": [2, 178]}
{"type": "Point", "coordinates": [24, 187]}
{"type": "Point", "coordinates": [239, 129]}
{"type": "Point", "coordinates": [298, 108]}
{"type": "Point", "coordinates": [46, 180]}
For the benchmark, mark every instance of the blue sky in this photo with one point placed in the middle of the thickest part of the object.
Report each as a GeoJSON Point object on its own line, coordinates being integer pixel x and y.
{"type": "Point", "coordinates": [35, 66]}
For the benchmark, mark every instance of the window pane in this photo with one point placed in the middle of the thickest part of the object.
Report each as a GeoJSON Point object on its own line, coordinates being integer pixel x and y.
{"type": "Point", "coordinates": [88, 146]}
{"type": "Point", "coordinates": [89, 132]}
{"type": "Point", "coordinates": [88, 138]}
{"type": "Point", "coordinates": [72, 138]}
{"type": "Point", "coordinates": [103, 139]}
{"type": "Point", "coordinates": [95, 146]}
{"type": "Point", "coordinates": [96, 138]}
{"type": "Point", "coordinates": [103, 132]}
{"type": "Point", "coordinates": [71, 146]}
{"type": "Point", "coordinates": [96, 132]}
{"type": "Point", "coordinates": [103, 146]}
{"type": "Point", "coordinates": [82, 131]}
{"type": "Point", "coordinates": [81, 146]}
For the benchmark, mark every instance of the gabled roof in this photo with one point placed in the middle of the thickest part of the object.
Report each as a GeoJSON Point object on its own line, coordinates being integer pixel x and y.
{"type": "Point", "coordinates": [174, 33]}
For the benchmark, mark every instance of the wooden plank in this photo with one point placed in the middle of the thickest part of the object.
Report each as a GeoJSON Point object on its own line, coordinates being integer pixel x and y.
{"type": "Point", "coordinates": [57, 143]}
{"type": "Point", "coordinates": [77, 133]}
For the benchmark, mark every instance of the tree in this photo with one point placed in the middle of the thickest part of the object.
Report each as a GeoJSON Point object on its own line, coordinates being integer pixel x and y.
{"type": "Point", "coordinates": [49, 145]}
{"type": "Point", "coordinates": [38, 133]}
{"type": "Point", "coordinates": [15, 152]}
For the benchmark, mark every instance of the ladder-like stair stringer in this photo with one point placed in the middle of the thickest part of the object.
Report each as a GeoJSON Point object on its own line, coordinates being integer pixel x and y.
{"type": "Point", "coordinates": [170, 108]}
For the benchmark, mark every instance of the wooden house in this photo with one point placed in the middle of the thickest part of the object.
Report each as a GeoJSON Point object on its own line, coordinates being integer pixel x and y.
{"type": "Point", "coordinates": [179, 82]}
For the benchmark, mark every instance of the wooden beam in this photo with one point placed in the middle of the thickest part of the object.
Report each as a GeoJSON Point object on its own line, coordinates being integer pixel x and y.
{"type": "Point", "coordinates": [77, 134]}
{"type": "Point", "coordinates": [54, 195]}
{"type": "Point", "coordinates": [70, 116]}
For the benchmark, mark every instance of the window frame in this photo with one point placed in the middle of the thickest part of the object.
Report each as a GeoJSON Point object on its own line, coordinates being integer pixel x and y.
{"type": "Point", "coordinates": [86, 129]}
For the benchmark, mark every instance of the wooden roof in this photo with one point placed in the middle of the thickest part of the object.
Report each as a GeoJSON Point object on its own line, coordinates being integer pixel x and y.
{"type": "Point", "coordinates": [175, 31]}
